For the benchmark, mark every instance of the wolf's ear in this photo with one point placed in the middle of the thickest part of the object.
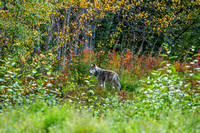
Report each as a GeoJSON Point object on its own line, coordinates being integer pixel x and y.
{"type": "Point", "coordinates": [92, 65]}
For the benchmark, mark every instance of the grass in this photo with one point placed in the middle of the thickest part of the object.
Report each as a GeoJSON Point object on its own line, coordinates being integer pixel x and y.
{"type": "Point", "coordinates": [125, 116]}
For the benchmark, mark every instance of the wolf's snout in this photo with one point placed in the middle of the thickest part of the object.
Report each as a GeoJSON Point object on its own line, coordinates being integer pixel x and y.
{"type": "Point", "coordinates": [90, 72]}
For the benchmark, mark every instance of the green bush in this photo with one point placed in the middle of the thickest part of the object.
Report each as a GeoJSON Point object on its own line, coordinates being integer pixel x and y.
{"type": "Point", "coordinates": [23, 86]}
{"type": "Point", "coordinates": [168, 88]}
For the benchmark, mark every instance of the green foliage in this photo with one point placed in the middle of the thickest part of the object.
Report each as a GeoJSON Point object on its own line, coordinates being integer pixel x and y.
{"type": "Point", "coordinates": [165, 100]}
{"type": "Point", "coordinates": [129, 86]}
{"type": "Point", "coordinates": [40, 38]}
{"type": "Point", "coordinates": [166, 88]}
{"type": "Point", "coordinates": [79, 70]}
{"type": "Point", "coordinates": [73, 118]}
{"type": "Point", "coordinates": [22, 86]}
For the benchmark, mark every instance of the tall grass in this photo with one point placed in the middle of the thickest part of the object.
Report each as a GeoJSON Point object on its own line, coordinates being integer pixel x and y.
{"type": "Point", "coordinates": [39, 117]}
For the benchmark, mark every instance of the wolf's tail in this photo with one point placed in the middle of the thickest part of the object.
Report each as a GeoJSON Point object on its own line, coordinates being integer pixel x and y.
{"type": "Point", "coordinates": [117, 83]}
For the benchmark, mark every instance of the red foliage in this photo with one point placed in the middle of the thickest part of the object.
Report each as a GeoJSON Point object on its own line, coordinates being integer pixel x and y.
{"type": "Point", "coordinates": [87, 54]}
{"type": "Point", "coordinates": [123, 94]}
{"type": "Point", "coordinates": [127, 60]}
{"type": "Point", "coordinates": [99, 89]}
{"type": "Point", "coordinates": [197, 60]}
{"type": "Point", "coordinates": [138, 66]}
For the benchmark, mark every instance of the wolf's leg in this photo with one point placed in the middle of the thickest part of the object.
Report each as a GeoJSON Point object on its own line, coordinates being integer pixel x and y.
{"type": "Point", "coordinates": [111, 84]}
{"type": "Point", "coordinates": [119, 88]}
{"type": "Point", "coordinates": [104, 86]}
{"type": "Point", "coordinates": [101, 84]}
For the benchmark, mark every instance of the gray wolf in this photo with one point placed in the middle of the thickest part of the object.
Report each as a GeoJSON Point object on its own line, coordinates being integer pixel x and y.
{"type": "Point", "coordinates": [105, 76]}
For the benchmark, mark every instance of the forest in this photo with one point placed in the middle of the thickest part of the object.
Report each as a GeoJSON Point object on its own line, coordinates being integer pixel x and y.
{"type": "Point", "coordinates": [47, 47]}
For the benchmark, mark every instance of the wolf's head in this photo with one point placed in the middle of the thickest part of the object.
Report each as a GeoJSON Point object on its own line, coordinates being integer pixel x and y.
{"type": "Point", "coordinates": [93, 68]}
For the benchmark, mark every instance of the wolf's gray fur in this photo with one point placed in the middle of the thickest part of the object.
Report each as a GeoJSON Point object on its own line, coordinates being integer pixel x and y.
{"type": "Point", "coordinates": [105, 76]}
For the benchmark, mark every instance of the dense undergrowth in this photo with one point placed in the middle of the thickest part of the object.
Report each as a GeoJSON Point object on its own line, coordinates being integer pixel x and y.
{"type": "Point", "coordinates": [161, 75]}
{"type": "Point", "coordinates": [158, 98]}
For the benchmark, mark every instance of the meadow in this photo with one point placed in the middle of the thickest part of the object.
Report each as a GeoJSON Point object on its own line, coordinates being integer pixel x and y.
{"type": "Point", "coordinates": [124, 116]}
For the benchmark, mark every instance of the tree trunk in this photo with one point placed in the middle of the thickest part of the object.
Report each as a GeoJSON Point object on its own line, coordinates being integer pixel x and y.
{"type": "Point", "coordinates": [64, 50]}
{"type": "Point", "coordinates": [49, 34]}
{"type": "Point", "coordinates": [37, 48]}
{"type": "Point", "coordinates": [57, 36]}
{"type": "Point", "coordinates": [143, 40]}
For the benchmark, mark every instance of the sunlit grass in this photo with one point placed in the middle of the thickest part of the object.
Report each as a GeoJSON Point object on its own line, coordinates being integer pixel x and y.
{"type": "Point", "coordinates": [39, 117]}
